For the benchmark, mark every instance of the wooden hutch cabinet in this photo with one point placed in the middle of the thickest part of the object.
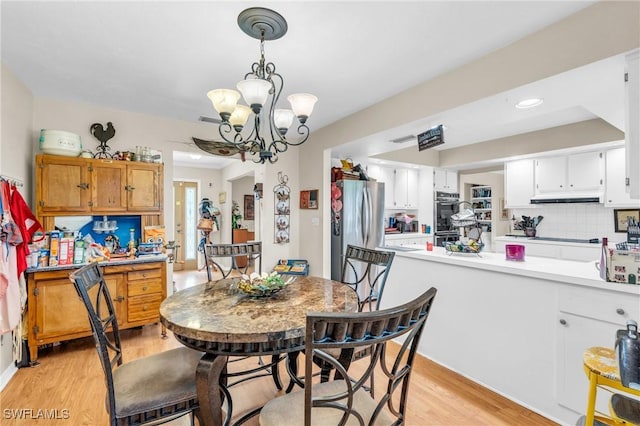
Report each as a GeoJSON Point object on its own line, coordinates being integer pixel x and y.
{"type": "Point", "coordinates": [71, 186]}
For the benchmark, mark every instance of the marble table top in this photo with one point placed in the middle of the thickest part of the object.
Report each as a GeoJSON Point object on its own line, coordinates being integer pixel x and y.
{"type": "Point", "coordinates": [217, 318]}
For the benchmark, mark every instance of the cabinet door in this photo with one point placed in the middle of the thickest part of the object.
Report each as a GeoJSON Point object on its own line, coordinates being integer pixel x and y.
{"type": "Point", "coordinates": [616, 193]}
{"type": "Point", "coordinates": [586, 318]}
{"type": "Point", "coordinates": [388, 176]}
{"type": "Point", "coordinates": [452, 181]}
{"type": "Point", "coordinates": [518, 183]}
{"type": "Point", "coordinates": [551, 175]}
{"type": "Point", "coordinates": [62, 184]}
{"type": "Point", "coordinates": [585, 172]}
{"type": "Point", "coordinates": [59, 311]}
{"type": "Point", "coordinates": [400, 188]}
{"type": "Point", "coordinates": [412, 188]}
{"type": "Point", "coordinates": [440, 179]}
{"type": "Point", "coordinates": [144, 188]}
{"type": "Point", "coordinates": [108, 180]}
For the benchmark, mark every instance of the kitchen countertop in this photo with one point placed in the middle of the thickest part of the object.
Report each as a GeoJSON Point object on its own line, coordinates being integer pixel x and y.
{"type": "Point", "coordinates": [533, 240]}
{"type": "Point", "coordinates": [124, 261]}
{"type": "Point", "coordinates": [565, 271]}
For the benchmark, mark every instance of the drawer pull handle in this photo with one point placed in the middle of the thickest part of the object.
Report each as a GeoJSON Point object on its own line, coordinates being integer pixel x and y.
{"type": "Point", "coordinates": [563, 321]}
{"type": "Point", "coordinates": [144, 308]}
{"type": "Point", "coordinates": [144, 275]}
{"type": "Point", "coordinates": [144, 288]}
{"type": "Point", "coordinates": [620, 311]}
{"type": "Point", "coordinates": [119, 299]}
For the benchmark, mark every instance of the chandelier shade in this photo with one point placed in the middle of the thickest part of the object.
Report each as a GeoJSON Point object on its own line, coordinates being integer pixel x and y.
{"type": "Point", "coordinates": [265, 136]}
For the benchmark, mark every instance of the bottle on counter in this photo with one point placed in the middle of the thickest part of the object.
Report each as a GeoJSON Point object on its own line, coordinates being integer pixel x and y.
{"type": "Point", "coordinates": [604, 255]}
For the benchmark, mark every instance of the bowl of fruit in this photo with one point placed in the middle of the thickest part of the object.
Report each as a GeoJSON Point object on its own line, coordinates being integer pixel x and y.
{"type": "Point", "coordinates": [261, 285]}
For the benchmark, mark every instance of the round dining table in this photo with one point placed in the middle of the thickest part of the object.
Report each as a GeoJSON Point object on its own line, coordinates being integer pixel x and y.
{"type": "Point", "coordinates": [221, 321]}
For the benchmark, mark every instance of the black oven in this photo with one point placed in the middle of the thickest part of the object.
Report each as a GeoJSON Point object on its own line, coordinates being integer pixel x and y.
{"type": "Point", "coordinates": [446, 204]}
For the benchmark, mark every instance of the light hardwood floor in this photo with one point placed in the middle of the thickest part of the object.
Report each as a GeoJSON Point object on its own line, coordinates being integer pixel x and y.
{"type": "Point", "coordinates": [69, 378]}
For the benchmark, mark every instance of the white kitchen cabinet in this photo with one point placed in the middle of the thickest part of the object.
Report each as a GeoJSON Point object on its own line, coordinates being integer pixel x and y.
{"type": "Point", "coordinates": [616, 191]}
{"type": "Point", "coordinates": [445, 180]}
{"type": "Point", "coordinates": [387, 176]}
{"type": "Point", "coordinates": [632, 122]}
{"type": "Point", "coordinates": [518, 183]}
{"type": "Point", "coordinates": [570, 174]}
{"type": "Point", "coordinates": [406, 189]}
{"type": "Point", "coordinates": [586, 318]}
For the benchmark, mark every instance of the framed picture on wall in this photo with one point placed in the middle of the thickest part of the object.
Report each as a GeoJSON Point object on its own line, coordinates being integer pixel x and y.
{"type": "Point", "coordinates": [309, 199]}
{"type": "Point", "coordinates": [622, 217]}
{"type": "Point", "coordinates": [249, 213]}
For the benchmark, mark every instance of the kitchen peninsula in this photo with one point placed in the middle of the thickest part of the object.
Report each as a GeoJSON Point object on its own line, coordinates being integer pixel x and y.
{"type": "Point", "coordinates": [518, 328]}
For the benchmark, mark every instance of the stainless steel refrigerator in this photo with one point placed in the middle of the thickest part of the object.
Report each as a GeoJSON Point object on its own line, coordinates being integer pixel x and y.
{"type": "Point", "coordinates": [357, 218]}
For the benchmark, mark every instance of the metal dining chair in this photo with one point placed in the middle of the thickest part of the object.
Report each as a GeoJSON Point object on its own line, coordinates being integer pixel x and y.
{"type": "Point", "coordinates": [149, 390]}
{"type": "Point", "coordinates": [214, 253]}
{"type": "Point", "coordinates": [366, 270]}
{"type": "Point", "coordinates": [252, 251]}
{"type": "Point", "coordinates": [345, 399]}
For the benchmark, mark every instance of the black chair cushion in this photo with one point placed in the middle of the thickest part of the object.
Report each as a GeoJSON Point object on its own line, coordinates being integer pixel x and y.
{"type": "Point", "coordinates": [155, 381]}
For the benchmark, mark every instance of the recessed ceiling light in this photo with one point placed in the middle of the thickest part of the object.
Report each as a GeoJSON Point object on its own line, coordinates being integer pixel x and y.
{"type": "Point", "coordinates": [529, 103]}
{"type": "Point", "coordinates": [195, 156]}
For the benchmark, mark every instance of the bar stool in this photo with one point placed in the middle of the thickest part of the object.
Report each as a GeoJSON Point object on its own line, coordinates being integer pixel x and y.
{"type": "Point", "coordinates": [601, 368]}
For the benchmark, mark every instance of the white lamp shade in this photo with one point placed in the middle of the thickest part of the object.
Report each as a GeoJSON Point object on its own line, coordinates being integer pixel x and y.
{"type": "Point", "coordinates": [302, 103]}
{"type": "Point", "coordinates": [283, 118]}
{"type": "Point", "coordinates": [240, 115]}
{"type": "Point", "coordinates": [254, 91]}
{"type": "Point", "coordinates": [224, 100]}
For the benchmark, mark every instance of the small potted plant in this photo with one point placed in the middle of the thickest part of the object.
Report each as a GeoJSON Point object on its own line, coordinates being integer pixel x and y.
{"type": "Point", "coordinates": [235, 215]}
{"type": "Point", "coordinates": [529, 225]}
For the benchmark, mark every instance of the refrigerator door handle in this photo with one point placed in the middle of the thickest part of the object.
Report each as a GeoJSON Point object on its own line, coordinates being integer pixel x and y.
{"type": "Point", "coordinates": [366, 215]}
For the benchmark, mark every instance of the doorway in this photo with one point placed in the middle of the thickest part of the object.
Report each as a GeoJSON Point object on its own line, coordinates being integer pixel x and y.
{"type": "Point", "coordinates": [185, 195]}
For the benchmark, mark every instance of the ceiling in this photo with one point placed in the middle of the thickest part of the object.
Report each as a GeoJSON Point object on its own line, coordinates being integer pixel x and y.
{"type": "Point", "coordinates": [161, 58]}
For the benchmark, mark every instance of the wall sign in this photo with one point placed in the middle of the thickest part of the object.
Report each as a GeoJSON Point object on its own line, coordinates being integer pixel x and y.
{"type": "Point", "coordinates": [430, 138]}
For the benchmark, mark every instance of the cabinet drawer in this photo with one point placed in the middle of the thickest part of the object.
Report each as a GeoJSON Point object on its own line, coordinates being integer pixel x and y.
{"type": "Point", "coordinates": [143, 275]}
{"type": "Point", "coordinates": [137, 288]}
{"type": "Point", "coordinates": [143, 307]}
{"type": "Point", "coordinates": [604, 305]}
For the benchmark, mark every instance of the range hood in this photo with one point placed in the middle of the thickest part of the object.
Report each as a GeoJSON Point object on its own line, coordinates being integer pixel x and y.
{"type": "Point", "coordinates": [566, 199]}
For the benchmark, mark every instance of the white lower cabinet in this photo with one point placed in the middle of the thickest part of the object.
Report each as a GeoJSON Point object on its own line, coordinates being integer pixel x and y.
{"type": "Point", "coordinates": [586, 317]}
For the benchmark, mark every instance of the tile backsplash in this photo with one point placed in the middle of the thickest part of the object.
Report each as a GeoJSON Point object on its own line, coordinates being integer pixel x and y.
{"type": "Point", "coordinates": [581, 221]}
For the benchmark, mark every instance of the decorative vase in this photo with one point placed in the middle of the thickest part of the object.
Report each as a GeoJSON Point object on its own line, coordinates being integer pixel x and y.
{"type": "Point", "coordinates": [530, 232]}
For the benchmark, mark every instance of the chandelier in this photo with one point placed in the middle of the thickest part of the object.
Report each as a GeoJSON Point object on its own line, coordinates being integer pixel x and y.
{"type": "Point", "coordinates": [261, 89]}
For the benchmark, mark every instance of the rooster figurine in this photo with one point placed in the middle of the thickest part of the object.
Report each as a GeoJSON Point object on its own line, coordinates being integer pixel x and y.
{"type": "Point", "coordinates": [103, 135]}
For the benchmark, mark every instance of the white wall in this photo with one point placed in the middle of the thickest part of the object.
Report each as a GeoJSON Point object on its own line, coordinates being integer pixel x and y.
{"type": "Point", "coordinates": [16, 161]}
{"type": "Point", "coordinates": [597, 32]}
{"type": "Point", "coordinates": [240, 188]}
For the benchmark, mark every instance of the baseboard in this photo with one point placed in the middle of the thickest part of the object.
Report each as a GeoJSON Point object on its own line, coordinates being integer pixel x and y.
{"type": "Point", "coordinates": [7, 374]}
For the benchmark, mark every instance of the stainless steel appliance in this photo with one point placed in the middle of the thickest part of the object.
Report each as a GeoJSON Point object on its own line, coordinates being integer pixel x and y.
{"type": "Point", "coordinates": [358, 218]}
{"type": "Point", "coordinates": [445, 205]}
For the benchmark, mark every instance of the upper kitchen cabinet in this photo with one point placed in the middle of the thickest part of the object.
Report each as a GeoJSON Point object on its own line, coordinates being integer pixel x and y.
{"type": "Point", "coordinates": [108, 181]}
{"type": "Point", "coordinates": [62, 185]}
{"type": "Point", "coordinates": [401, 186]}
{"type": "Point", "coordinates": [445, 180]}
{"type": "Point", "coordinates": [144, 187]}
{"type": "Point", "coordinates": [616, 190]}
{"type": "Point", "coordinates": [73, 186]}
{"type": "Point", "coordinates": [570, 174]}
{"type": "Point", "coordinates": [406, 189]}
{"type": "Point", "coordinates": [518, 183]}
{"type": "Point", "coordinates": [632, 123]}
{"type": "Point", "coordinates": [385, 175]}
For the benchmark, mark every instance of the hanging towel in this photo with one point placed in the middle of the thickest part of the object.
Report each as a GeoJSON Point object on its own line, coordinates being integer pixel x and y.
{"type": "Point", "coordinates": [27, 224]}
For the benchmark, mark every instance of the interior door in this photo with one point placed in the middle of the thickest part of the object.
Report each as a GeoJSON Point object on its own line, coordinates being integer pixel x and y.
{"type": "Point", "coordinates": [185, 214]}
